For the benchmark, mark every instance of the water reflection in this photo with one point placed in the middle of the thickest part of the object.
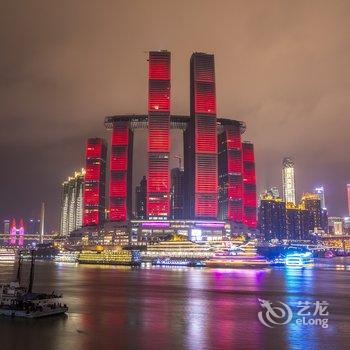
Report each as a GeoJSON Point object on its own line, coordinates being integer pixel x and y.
{"type": "Point", "coordinates": [182, 308]}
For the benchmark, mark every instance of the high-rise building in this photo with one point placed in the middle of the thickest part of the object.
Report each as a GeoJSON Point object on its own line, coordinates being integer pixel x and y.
{"type": "Point", "coordinates": [13, 232]}
{"type": "Point", "coordinates": [71, 204]}
{"type": "Point", "coordinates": [272, 218]}
{"type": "Point", "coordinates": [177, 193]}
{"type": "Point", "coordinates": [120, 183]}
{"type": "Point", "coordinates": [336, 225]}
{"type": "Point", "coordinates": [21, 233]}
{"type": "Point", "coordinates": [141, 199]}
{"type": "Point", "coordinates": [348, 193]}
{"type": "Point", "coordinates": [94, 182]}
{"type": "Point", "coordinates": [158, 180]}
{"type": "Point", "coordinates": [288, 180]}
{"type": "Point", "coordinates": [200, 141]}
{"type": "Point", "coordinates": [230, 166]}
{"type": "Point", "coordinates": [297, 222]}
{"type": "Point", "coordinates": [203, 134]}
{"type": "Point", "coordinates": [320, 192]}
{"type": "Point", "coordinates": [249, 185]}
{"type": "Point", "coordinates": [312, 203]}
{"type": "Point", "coordinates": [6, 227]}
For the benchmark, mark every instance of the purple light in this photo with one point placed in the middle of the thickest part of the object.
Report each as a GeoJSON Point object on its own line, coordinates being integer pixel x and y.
{"type": "Point", "coordinates": [217, 225]}
{"type": "Point", "coordinates": [160, 224]}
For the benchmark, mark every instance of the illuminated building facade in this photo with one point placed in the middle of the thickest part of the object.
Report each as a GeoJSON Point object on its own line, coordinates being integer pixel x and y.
{"type": "Point", "coordinates": [120, 183]}
{"type": "Point", "coordinates": [177, 193]}
{"type": "Point", "coordinates": [288, 180]}
{"type": "Point", "coordinates": [249, 185]}
{"type": "Point", "coordinates": [141, 199]}
{"type": "Point", "coordinates": [320, 192]}
{"type": "Point", "coordinates": [312, 203]}
{"type": "Point", "coordinates": [231, 172]}
{"type": "Point", "coordinates": [16, 234]}
{"type": "Point", "coordinates": [72, 203]}
{"type": "Point", "coordinates": [203, 134]}
{"type": "Point", "coordinates": [272, 218]}
{"type": "Point", "coordinates": [158, 184]}
{"type": "Point", "coordinates": [297, 222]}
{"type": "Point", "coordinates": [200, 142]}
{"type": "Point", "coordinates": [94, 182]}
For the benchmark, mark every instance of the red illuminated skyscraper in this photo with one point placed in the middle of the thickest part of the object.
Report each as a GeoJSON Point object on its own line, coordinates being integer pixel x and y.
{"type": "Point", "coordinates": [120, 186]}
{"type": "Point", "coordinates": [200, 145]}
{"type": "Point", "coordinates": [158, 184]}
{"type": "Point", "coordinates": [249, 185]}
{"type": "Point", "coordinates": [230, 173]}
{"type": "Point", "coordinates": [94, 184]}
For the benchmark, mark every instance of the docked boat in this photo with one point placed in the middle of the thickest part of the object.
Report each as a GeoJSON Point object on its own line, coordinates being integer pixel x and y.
{"type": "Point", "coordinates": [177, 262]}
{"type": "Point", "coordinates": [7, 255]}
{"type": "Point", "coordinates": [110, 257]}
{"type": "Point", "coordinates": [67, 257]}
{"type": "Point", "coordinates": [244, 256]}
{"type": "Point", "coordinates": [19, 301]}
{"type": "Point", "coordinates": [177, 250]}
{"type": "Point", "coordinates": [300, 260]}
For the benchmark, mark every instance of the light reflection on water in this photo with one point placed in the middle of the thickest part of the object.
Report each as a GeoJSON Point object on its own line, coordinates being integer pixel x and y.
{"type": "Point", "coordinates": [114, 307]}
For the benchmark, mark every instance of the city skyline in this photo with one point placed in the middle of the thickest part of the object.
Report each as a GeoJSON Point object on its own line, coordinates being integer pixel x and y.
{"type": "Point", "coordinates": [64, 83]}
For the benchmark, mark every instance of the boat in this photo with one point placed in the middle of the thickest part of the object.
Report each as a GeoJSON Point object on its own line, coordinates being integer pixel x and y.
{"type": "Point", "coordinates": [177, 250]}
{"type": "Point", "coordinates": [110, 257]}
{"type": "Point", "coordinates": [177, 262]}
{"type": "Point", "coordinates": [300, 260]}
{"type": "Point", "coordinates": [244, 256]}
{"type": "Point", "coordinates": [19, 301]}
{"type": "Point", "coordinates": [66, 257]}
{"type": "Point", "coordinates": [7, 255]}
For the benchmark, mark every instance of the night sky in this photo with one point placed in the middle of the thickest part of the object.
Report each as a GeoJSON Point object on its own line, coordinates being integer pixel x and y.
{"type": "Point", "coordinates": [281, 66]}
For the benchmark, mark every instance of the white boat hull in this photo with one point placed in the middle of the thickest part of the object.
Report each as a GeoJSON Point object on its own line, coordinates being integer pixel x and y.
{"type": "Point", "coordinates": [36, 314]}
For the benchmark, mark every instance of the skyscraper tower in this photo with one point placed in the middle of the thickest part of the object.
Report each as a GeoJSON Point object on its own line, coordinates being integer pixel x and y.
{"type": "Point", "coordinates": [230, 173]}
{"type": "Point", "coordinates": [288, 180]}
{"type": "Point", "coordinates": [120, 183]}
{"type": "Point", "coordinates": [200, 144]}
{"type": "Point", "coordinates": [72, 203]}
{"type": "Point", "coordinates": [158, 179]}
{"type": "Point", "coordinates": [320, 192]}
{"type": "Point", "coordinates": [94, 182]}
{"type": "Point", "coordinates": [249, 185]}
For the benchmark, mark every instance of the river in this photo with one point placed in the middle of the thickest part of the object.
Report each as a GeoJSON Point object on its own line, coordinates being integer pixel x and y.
{"type": "Point", "coordinates": [182, 308]}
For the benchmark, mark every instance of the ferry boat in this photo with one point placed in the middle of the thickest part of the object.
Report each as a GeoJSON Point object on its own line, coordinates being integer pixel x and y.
{"type": "Point", "coordinates": [67, 257]}
{"type": "Point", "coordinates": [110, 257]}
{"type": "Point", "coordinates": [300, 260]}
{"type": "Point", "coordinates": [178, 250]}
{"type": "Point", "coordinates": [19, 301]}
{"type": "Point", "coordinates": [7, 255]}
{"type": "Point", "coordinates": [177, 262]}
{"type": "Point", "coordinates": [240, 257]}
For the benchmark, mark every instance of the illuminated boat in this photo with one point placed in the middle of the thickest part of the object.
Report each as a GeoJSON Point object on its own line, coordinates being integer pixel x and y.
{"type": "Point", "coordinates": [67, 257]}
{"type": "Point", "coordinates": [177, 262]}
{"type": "Point", "coordinates": [245, 256]}
{"type": "Point", "coordinates": [18, 301]}
{"type": "Point", "coordinates": [300, 260]}
{"type": "Point", "coordinates": [178, 249]}
{"type": "Point", "coordinates": [7, 255]}
{"type": "Point", "coordinates": [110, 257]}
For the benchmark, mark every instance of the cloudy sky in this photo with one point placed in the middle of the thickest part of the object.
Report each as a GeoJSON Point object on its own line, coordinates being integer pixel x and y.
{"type": "Point", "coordinates": [281, 66]}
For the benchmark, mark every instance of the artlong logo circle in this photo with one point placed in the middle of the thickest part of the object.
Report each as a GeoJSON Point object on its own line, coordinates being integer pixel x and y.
{"type": "Point", "coordinates": [274, 315]}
